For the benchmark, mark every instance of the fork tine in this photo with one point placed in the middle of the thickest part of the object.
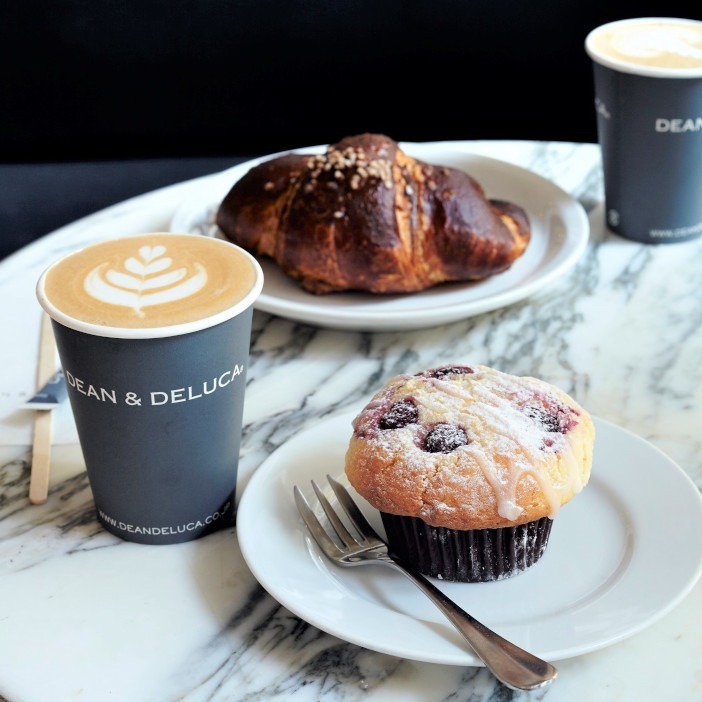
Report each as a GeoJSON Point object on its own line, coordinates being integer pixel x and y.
{"type": "Point", "coordinates": [316, 529]}
{"type": "Point", "coordinates": [343, 533]}
{"type": "Point", "coordinates": [352, 511]}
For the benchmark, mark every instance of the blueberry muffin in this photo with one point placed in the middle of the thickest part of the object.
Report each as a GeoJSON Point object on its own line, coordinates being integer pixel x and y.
{"type": "Point", "coordinates": [468, 467]}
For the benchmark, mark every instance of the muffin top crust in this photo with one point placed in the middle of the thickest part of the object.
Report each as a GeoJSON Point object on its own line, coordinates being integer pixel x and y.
{"type": "Point", "coordinates": [470, 447]}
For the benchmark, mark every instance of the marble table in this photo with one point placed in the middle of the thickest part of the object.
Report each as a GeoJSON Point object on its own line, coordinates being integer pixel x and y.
{"type": "Point", "coordinates": [86, 616]}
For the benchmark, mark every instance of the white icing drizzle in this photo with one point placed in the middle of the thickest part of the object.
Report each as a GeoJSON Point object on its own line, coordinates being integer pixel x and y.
{"type": "Point", "coordinates": [575, 479]}
{"type": "Point", "coordinates": [494, 417]}
{"type": "Point", "coordinates": [505, 492]}
{"type": "Point", "coordinates": [499, 416]}
{"type": "Point", "coordinates": [488, 406]}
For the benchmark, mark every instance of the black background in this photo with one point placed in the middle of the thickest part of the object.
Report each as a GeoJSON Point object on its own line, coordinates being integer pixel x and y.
{"type": "Point", "coordinates": [122, 80]}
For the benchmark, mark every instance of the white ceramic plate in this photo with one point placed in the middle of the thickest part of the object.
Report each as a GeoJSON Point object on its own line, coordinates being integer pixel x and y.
{"type": "Point", "coordinates": [618, 559]}
{"type": "Point", "coordinates": [560, 231]}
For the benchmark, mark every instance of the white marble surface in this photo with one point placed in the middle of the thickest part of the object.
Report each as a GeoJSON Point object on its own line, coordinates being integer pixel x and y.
{"type": "Point", "coordinates": [86, 616]}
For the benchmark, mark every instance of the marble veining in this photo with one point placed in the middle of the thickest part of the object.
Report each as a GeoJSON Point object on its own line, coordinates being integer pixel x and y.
{"type": "Point", "coordinates": [86, 616]}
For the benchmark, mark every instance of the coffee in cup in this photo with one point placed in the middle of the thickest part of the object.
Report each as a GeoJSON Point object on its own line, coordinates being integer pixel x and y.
{"type": "Point", "coordinates": [648, 101]}
{"type": "Point", "coordinates": [153, 334]}
{"type": "Point", "coordinates": [657, 43]}
{"type": "Point", "coordinates": [149, 281]}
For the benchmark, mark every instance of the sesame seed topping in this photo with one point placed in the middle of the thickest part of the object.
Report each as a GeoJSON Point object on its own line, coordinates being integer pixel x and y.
{"type": "Point", "coordinates": [354, 163]}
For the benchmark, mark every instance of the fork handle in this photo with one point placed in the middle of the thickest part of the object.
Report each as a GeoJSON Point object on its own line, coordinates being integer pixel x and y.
{"type": "Point", "coordinates": [512, 665]}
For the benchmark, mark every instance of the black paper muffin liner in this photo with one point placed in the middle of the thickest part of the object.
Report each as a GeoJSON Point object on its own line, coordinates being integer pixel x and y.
{"type": "Point", "coordinates": [478, 555]}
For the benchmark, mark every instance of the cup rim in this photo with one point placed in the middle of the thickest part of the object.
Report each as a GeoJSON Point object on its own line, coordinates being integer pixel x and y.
{"type": "Point", "coordinates": [637, 69]}
{"type": "Point", "coordinates": [151, 332]}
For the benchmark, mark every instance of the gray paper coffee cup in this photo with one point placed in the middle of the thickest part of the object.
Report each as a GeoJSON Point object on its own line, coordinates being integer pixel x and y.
{"type": "Point", "coordinates": [649, 121]}
{"type": "Point", "coordinates": [158, 409]}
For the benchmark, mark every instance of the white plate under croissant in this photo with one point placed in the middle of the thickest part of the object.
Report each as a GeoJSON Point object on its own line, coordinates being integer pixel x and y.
{"type": "Point", "coordinates": [560, 231]}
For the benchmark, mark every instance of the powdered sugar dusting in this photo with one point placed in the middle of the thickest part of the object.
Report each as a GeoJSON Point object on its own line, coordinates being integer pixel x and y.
{"type": "Point", "coordinates": [503, 424]}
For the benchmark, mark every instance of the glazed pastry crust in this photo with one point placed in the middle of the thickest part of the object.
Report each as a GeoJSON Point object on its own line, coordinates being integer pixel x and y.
{"type": "Point", "coordinates": [514, 469]}
{"type": "Point", "coordinates": [365, 216]}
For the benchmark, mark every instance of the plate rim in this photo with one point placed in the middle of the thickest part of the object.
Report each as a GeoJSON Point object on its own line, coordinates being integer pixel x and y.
{"type": "Point", "coordinates": [570, 249]}
{"type": "Point", "coordinates": [248, 550]}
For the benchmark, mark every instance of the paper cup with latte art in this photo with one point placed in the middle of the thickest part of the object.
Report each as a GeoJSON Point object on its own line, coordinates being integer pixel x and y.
{"type": "Point", "coordinates": [648, 100]}
{"type": "Point", "coordinates": [153, 333]}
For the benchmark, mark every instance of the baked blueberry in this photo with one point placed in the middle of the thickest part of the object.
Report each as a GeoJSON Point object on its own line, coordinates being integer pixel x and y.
{"type": "Point", "coordinates": [556, 419]}
{"type": "Point", "coordinates": [444, 438]}
{"type": "Point", "coordinates": [446, 370]}
{"type": "Point", "coordinates": [402, 413]}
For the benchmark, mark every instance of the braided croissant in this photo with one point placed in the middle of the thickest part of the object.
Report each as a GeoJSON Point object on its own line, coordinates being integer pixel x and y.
{"type": "Point", "coordinates": [365, 216]}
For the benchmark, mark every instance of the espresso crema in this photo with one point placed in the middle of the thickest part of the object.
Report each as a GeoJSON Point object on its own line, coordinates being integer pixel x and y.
{"type": "Point", "coordinates": [662, 43]}
{"type": "Point", "coordinates": [150, 281]}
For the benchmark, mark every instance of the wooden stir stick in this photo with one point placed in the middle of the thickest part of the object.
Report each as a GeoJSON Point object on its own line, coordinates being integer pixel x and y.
{"type": "Point", "coordinates": [41, 446]}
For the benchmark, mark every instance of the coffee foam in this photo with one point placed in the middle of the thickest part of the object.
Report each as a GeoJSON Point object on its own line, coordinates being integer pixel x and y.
{"type": "Point", "coordinates": [655, 46]}
{"type": "Point", "coordinates": [150, 281]}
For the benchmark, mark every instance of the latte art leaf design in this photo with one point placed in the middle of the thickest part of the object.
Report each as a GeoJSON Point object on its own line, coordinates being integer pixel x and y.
{"type": "Point", "coordinates": [152, 261]}
{"type": "Point", "coordinates": [131, 282]}
{"type": "Point", "coordinates": [148, 279]}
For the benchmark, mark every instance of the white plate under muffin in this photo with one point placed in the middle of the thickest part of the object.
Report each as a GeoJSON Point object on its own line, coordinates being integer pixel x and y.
{"type": "Point", "coordinates": [610, 569]}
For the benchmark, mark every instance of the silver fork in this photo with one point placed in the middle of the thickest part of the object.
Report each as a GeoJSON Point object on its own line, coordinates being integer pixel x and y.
{"type": "Point", "coordinates": [510, 664]}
